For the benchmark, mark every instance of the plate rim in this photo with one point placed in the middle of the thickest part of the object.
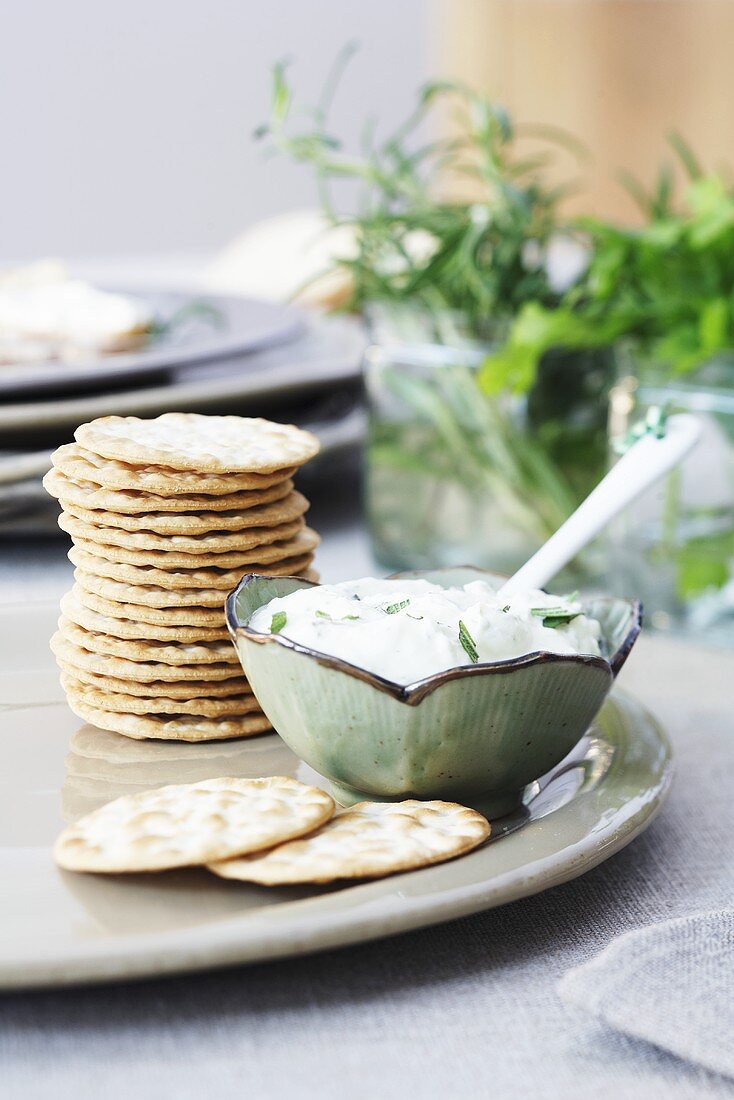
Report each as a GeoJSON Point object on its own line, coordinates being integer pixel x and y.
{"type": "Point", "coordinates": [267, 934]}
{"type": "Point", "coordinates": [338, 367]}
{"type": "Point", "coordinates": [49, 375]}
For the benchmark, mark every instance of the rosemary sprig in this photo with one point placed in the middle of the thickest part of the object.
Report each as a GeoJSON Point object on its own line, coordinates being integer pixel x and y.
{"type": "Point", "coordinates": [468, 643]}
{"type": "Point", "coordinates": [393, 608]}
{"type": "Point", "coordinates": [481, 259]}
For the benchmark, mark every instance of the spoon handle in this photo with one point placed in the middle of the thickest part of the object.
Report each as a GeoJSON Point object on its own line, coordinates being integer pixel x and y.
{"type": "Point", "coordinates": [643, 464]}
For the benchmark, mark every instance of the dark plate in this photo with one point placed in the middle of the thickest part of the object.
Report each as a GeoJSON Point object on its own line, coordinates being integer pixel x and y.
{"type": "Point", "coordinates": [244, 325]}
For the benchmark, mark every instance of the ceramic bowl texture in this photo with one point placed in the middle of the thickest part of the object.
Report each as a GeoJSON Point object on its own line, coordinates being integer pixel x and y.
{"type": "Point", "coordinates": [477, 734]}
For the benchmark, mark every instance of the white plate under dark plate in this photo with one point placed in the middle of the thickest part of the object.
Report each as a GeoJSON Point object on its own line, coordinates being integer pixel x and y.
{"type": "Point", "coordinates": [245, 325]}
{"type": "Point", "coordinates": [58, 928]}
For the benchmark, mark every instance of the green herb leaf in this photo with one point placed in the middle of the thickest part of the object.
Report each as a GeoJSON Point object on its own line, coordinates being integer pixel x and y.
{"type": "Point", "coordinates": [277, 622]}
{"type": "Point", "coordinates": [506, 607]}
{"type": "Point", "coordinates": [350, 618]}
{"type": "Point", "coordinates": [323, 615]}
{"type": "Point", "coordinates": [470, 646]}
{"type": "Point", "coordinates": [555, 616]}
{"type": "Point", "coordinates": [393, 608]}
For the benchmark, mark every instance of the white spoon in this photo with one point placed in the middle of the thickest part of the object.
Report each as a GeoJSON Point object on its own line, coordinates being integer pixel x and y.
{"type": "Point", "coordinates": [644, 463]}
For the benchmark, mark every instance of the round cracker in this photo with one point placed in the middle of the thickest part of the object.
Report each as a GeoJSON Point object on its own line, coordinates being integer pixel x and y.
{"type": "Point", "coordinates": [210, 617]}
{"type": "Point", "coordinates": [188, 581]}
{"type": "Point", "coordinates": [150, 689]}
{"type": "Point", "coordinates": [176, 728]}
{"type": "Point", "coordinates": [369, 840]}
{"type": "Point", "coordinates": [184, 825]}
{"type": "Point", "coordinates": [249, 560]}
{"type": "Point", "coordinates": [157, 704]}
{"type": "Point", "coordinates": [181, 525]}
{"type": "Point", "coordinates": [192, 441]}
{"type": "Point", "coordinates": [70, 649]}
{"type": "Point", "coordinates": [210, 543]}
{"type": "Point", "coordinates": [150, 597]}
{"type": "Point", "coordinates": [79, 463]}
{"type": "Point", "coordinates": [148, 650]}
{"type": "Point", "coordinates": [86, 494]}
{"type": "Point", "coordinates": [130, 629]}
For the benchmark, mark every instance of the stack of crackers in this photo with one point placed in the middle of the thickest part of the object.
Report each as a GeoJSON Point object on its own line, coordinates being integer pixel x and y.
{"type": "Point", "coordinates": [166, 515]}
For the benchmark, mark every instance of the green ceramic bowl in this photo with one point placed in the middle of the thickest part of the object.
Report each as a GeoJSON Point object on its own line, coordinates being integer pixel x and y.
{"type": "Point", "coordinates": [477, 734]}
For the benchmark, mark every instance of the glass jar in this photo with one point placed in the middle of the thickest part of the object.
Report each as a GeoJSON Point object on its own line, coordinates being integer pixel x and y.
{"type": "Point", "coordinates": [454, 476]}
{"type": "Point", "coordinates": [674, 549]}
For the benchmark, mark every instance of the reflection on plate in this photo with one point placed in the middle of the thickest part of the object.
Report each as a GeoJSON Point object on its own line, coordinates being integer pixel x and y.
{"type": "Point", "coordinates": [101, 766]}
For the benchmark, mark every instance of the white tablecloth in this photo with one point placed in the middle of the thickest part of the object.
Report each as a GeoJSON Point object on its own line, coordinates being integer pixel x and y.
{"type": "Point", "coordinates": [466, 1009]}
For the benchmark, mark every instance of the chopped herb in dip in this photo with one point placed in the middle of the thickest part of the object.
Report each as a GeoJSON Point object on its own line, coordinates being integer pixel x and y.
{"type": "Point", "coordinates": [555, 616]}
{"type": "Point", "coordinates": [393, 608]}
{"type": "Point", "coordinates": [278, 621]}
{"type": "Point", "coordinates": [468, 643]}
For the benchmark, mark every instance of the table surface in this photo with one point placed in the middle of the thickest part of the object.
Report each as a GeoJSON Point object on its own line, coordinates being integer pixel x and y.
{"type": "Point", "coordinates": [465, 1009]}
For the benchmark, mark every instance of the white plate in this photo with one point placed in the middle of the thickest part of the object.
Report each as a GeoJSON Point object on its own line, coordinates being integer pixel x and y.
{"type": "Point", "coordinates": [245, 325]}
{"type": "Point", "coordinates": [58, 928]}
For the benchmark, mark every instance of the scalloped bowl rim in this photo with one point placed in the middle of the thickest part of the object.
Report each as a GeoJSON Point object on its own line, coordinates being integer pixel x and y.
{"type": "Point", "coordinates": [417, 690]}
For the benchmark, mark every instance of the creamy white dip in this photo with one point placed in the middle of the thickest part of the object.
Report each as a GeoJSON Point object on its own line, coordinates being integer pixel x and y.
{"type": "Point", "coordinates": [406, 630]}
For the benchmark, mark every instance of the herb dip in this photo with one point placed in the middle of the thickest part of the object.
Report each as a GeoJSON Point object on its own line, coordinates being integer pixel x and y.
{"type": "Point", "coordinates": [405, 630]}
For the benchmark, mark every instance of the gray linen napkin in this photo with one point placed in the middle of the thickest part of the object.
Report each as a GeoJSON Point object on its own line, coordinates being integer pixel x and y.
{"type": "Point", "coordinates": [671, 984]}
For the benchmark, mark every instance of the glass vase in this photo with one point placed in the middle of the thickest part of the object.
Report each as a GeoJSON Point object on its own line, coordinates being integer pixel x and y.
{"type": "Point", "coordinates": [674, 549]}
{"type": "Point", "coordinates": [455, 476]}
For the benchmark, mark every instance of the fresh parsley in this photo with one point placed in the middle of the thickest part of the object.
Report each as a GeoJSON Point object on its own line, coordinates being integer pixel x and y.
{"type": "Point", "coordinates": [323, 615]}
{"type": "Point", "coordinates": [665, 286]}
{"type": "Point", "coordinates": [470, 646]}
{"type": "Point", "coordinates": [277, 622]}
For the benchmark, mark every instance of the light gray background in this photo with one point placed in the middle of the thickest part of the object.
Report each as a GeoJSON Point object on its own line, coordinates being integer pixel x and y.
{"type": "Point", "coordinates": [126, 127]}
